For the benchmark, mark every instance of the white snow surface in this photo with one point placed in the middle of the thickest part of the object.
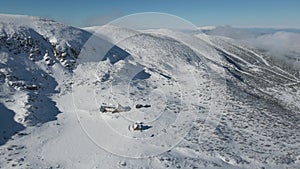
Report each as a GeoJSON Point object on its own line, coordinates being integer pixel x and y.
{"type": "Point", "coordinates": [215, 103]}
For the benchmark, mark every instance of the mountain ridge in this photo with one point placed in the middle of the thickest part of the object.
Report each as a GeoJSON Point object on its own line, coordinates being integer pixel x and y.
{"type": "Point", "coordinates": [45, 79]}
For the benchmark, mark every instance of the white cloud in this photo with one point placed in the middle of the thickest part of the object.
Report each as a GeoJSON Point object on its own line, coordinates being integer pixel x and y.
{"type": "Point", "coordinates": [282, 45]}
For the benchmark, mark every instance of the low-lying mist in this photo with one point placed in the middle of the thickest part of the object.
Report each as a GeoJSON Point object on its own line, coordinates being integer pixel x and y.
{"type": "Point", "coordinates": [282, 45]}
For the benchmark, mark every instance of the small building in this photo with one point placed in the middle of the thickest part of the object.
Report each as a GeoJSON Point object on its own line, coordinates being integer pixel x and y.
{"type": "Point", "coordinates": [114, 109]}
{"type": "Point", "coordinates": [138, 106]}
{"type": "Point", "coordinates": [139, 126]}
{"type": "Point", "coordinates": [104, 109]}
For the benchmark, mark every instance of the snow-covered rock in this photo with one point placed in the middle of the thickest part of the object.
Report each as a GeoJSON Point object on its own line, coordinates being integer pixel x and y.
{"type": "Point", "coordinates": [229, 105]}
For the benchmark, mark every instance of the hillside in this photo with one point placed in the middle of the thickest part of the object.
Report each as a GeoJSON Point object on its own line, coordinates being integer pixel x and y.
{"type": "Point", "coordinates": [212, 101]}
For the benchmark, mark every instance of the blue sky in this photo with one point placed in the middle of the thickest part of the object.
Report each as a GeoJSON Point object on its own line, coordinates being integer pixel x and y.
{"type": "Point", "coordinates": [237, 13]}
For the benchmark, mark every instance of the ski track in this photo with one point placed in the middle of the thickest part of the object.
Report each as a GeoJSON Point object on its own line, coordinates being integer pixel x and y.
{"type": "Point", "coordinates": [201, 115]}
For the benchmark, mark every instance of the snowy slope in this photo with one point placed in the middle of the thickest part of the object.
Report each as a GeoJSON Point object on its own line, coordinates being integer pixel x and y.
{"type": "Point", "coordinates": [257, 90]}
{"type": "Point", "coordinates": [35, 53]}
{"type": "Point", "coordinates": [215, 103]}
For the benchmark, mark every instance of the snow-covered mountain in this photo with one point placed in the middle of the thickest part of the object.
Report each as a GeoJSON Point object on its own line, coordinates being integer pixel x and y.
{"type": "Point", "coordinates": [214, 102]}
